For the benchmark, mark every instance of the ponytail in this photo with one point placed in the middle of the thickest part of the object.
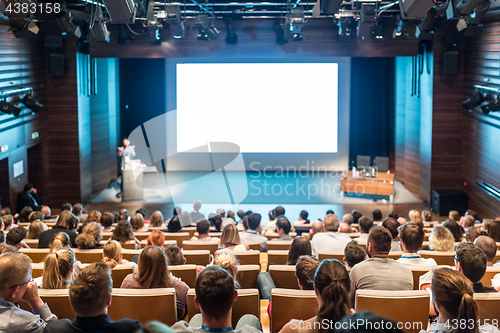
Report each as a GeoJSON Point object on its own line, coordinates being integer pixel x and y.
{"type": "Point", "coordinates": [59, 240]}
{"type": "Point", "coordinates": [57, 266]}
{"type": "Point", "coordinates": [110, 261]}
{"type": "Point", "coordinates": [467, 312]}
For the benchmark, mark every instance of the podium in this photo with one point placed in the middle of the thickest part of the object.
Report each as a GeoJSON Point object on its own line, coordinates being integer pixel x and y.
{"type": "Point", "coordinates": [131, 192]}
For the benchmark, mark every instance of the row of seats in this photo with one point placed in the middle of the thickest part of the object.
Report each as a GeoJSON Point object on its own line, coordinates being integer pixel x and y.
{"type": "Point", "coordinates": [287, 304]}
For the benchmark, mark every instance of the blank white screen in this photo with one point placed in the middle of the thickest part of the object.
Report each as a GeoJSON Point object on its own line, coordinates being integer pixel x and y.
{"type": "Point", "coordinates": [262, 107]}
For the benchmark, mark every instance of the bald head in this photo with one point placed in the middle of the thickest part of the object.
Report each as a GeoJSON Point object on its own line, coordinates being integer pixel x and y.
{"type": "Point", "coordinates": [345, 228]}
{"type": "Point", "coordinates": [489, 247]}
{"type": "Point", "coordinates": [317, 226]}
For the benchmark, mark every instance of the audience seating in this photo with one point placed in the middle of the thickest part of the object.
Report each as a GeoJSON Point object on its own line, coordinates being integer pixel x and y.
{"type": "Point", "coordinates": [118, 274]}
{"type": "Point", "coordinates": [490, 273]}
{"type": "Point", "coordinates": [441, 258]}
{"type": "Point", "coordinates": [212, 234]}
{"type": "Point", "coordinates": [144, 305]}
{"type": "Point", "coordinates": [37, 269]}
{"type": "Point", "coordinates": [247, 257]}
{"type": "Point", "coordinates": [162, 229]}
{"type": "Point", "coordinates": [197, 257]}
{"type": "Point", "coordinates": [284, 276]}
{"type": "Point", "coordinates": [278, 245]}
{"type": "Point", "coordinates": [32, 243]}
{"type": "Point", "coordinates": [58, 302]}
{"type": "Point", "coordinates": [337, 255]}
{"type": "Point", "coordinates": [88, 256]}
{"type": "Point", "coordinates": [142, 235]}
{"type": "Point", "coordinates": [275, 236]}
{"type": "Point", "coordinates": [144, 243]}
{"type": "Point", "coordinates": [278, 257]}
{"type": "Point", "coordinates": [354, 235]}
{"type": "Point", "coordinates": [247, 276]}
{"type": "Point", "coordinates": [23, 224]}
{"type": "Point", "coordinates": [417, 273]}
{"type": "Point", "coordinates": [36, 255]}
{"type": "Point", "coordinates": [498, 246]}
{"type": "Point", "coordinates": [497, 257]}
{"type": "Point", "coordinates": [488, 305]}
{"type": "Point", "coordinates": [130, 245]}
{"type": "Point", "coordinates": [106, 235]}
{"type": "Point", "coordinates": [254, 246]}
{"type": "Point", "coordinates": [395, 305]}
{"type": "Point", "coordinates": [247, 303]}
{"type": "Point", "coordinates": [288, 304]}
{"type": "Point", "coordinates": [177, 236]}
{"type": "Point", "coordinates": [196, 245]}
{"type": "Point", "coordinates": [189, 230]}
{"type": "Point", "coordinates": [187, 273]}
{"type": "Point", "coordinates": [128, 254]}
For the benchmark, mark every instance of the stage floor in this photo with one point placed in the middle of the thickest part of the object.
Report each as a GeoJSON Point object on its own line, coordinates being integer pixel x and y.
{"type": "Point", "coordinates": [251, 188]}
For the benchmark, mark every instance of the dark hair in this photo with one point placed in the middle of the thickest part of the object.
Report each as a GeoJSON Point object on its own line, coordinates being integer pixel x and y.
{"type": "Point", "coordinates": [354, 253]}
{"type": "Point", "coordinates": [174, 255]}
{"type": "Point", "coordinates": [377, 214]}
{"type": "Point", "coordinates": [141, 211]}
{"type": "Point", "coordinates": [254, 221]}
{"type": "Point", "coordinates": [279, 211]}
{"type": "Point", "coordinates": [304, 215]}
{"type": "Point", "coordinates": [202, 227]}
{"type": "Point", "coordinates": [452, 291]}
{"type": "Point", "coordinates": [366, 322]}
{"type": "Point", "coordinates": [177, 211]}
{"type": "Point", "coordinates": [240, 214]}
{"type": "Point", "coordinates": [24, 216]}
{"type": "Point", "coordinates": [356, 215]}
{"type": "Point", "coordinates": [393, 214]}
{"type": "Point", "coordinates": [472, 213]}
{"type": "Point", "coordinates": [107, 219]}
{"type": "Point", "coordinates": [215, 291]}
{"type": "Point", "coordinates": [123, 232]}
{"type": "Point", "coordinates": [284, 224]}
{"type": "Point", "coordinates": [27, 187]}
{"type": "Point", "coordinates": [473, 261]}
{"type": "Point", "coordinates": [67, 220]}
{"type": "Point", "coordinates": [474, 233]}
{"type": "Point", "coordinates": [174, 225]}
{"type": "Point", "coordinates": [455, 214]}
{"type": "Point", "coordinates": [66, 206]}
{"type": "Point", "coordinates": [271, 215]}
{"type": "Point", "coordinates": [380, 238]}
{"type": "Point", "coordinates": [365, 224]}
{"type": "Point", "coordinates": [15, 235]}
{"type": "Point", "coordinates": [2, 237]}
{"type": "Point", "coordinates": [469, 221]}
{"type": "Point", "coordinates": [488, 245]}
{"type": "Point", "coordinates": [455, 228]}
{"type": "Point", "coordinates": [427, 215]}
{"type": "Point", "coordinates": [216, 221]}
{"type": "Point", "coordinates": [333, 285]}
{"type": "Point", "coordinates": [37, 215]}
{"type": "Point", "coordinates": [330, 212]}
{"type": "Point", "coordinates": [77, 208]}
{"type": "Point", "coordinates": [94, 216]}
{"type": "Point", "coordinates": [392, 225]}
{"type": "Point", "coordinates": [493, 229]}
{"type": "Point", "coordinates": [412, 237]}
{"type": "Point", "coordinates": [7, 220]}
{"type": "Point", "coordinates": [300, 246]}
{"type": "Point", "coordinates": [305, 268]}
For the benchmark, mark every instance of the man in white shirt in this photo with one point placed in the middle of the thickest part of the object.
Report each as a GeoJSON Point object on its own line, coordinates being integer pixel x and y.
{"type": "Point", "coordinates": [365, 225]}
{"type": "Point", "coordinates": [253, 233]}
{"type": "Point", "coordinates": [225, 220]}
{"type": "Point", "coordinates": [331, 240]}
{"type": "Point", "coordinates": [412, 237]}
{"type": "Point", "coordinates": [271, 225]}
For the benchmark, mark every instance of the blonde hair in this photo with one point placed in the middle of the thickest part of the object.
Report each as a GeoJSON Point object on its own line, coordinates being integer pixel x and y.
{"type": "Point", "coordinates": [90, 236]}
{"type": "Point", "coordinates": [230, 235]}
{"type": "Point", "coordinates": [35, 229]}
{"type": "Point", "coordinates": [156, 219]}
{"type": "Point", "coordinates": [441, 239]}
{"type": "Point", "coordinates": [112, 252]}
{"type": "Point", "coordinates": [57, 266]}
{"type": "Point", "coordinates": [414, 214]}
{"type": "Point", "coordinates": [137, 221]}
{"type": "Point", "coordinates": [59, 240]}
{"type": "Point", "coordinates": [229, 263]}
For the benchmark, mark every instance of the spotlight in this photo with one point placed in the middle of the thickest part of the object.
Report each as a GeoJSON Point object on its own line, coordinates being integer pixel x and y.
{"type": "Point", "coordinates": [466, 7]}
{"type": "Point", "coordinates": [174, 18]}
{"type": "Point", "coordinates": [67, 26]}
{"type": "Point", "coordinates": [401, 29]}
{"type": "Point", "coordinates": [10, 108]}
{"type": "Point", "coordinates": [231, 37]}
{"type": "Point", "coordinates": [424, 31]}
{"type": "Point", "coordinates": [295, 23]}
{"type": "Point", "coordinates": [31, 103]}
{"type": "Point", "coordinates": [100, 28]}
{"type": "Point", "coordinates": [206, 30]}
{"type": "Point", "coordinates": [121, 11]}
{"type": "Point", "coordinates": [364, 30]}
{"type": "Point", "coordinates": [279, 30]}
{"type": "Point", "coordinates": [153, 27]}
{"type": "Point", "coordinates": [379, 30]}
{"type": "Point", "coordinates": [490, 106]}
{"type": "Point", "coordinates": [475, 100]}
{"type": "Point", "coordinates": [345, 29]}
{"type": "Point", "coordinates": [330, 7]}
{"type": "Point", "coordinates": [368, 12]}
{"type": "Point", "coordinates": [415, 9]}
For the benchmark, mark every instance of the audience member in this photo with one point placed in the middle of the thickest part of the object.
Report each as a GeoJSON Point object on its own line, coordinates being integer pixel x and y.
{"type": "Point", "coordinates": [472, 213]}
{"type": "Point", "coordinates": [393, 214]}
{"type": "Point", "coordinates": [107, 220]}
{"type": "Point", "coordinates": [16, 236]}
{"type": "Point", "coordinates": [331, 283]}
{"type": "Point", "coordinates": [225, 220]}
{"type": "Point", "coordinates": [8, 221]}
{"type": "Point", "coordinates": [24, 215]}
{"type": "Point", "coordinates": [413, 215]}
{"type": "Point", "coordinates": [90, 297]}
{"type": "Point", "coordinates": [141, 211]}
{"type": "Point", "coordinates": [137, 223]}
{"type": "Point", "coordinates": [454, 215]}
{"type": "Point", "coordinates": [156, 220]}
{"type": "Point", "coordinates": [412, 237]}
{"type": "Point", "coordinates": [112, 255]}
{"type": "Point", "coordinates": [353, 254]}
{"type": "Point", "coordinates": [66, 222]}
{"type": "Point", "coordinates": [355, 216]}
{"type": "Point", "coordinates": [216, 222]}
{"type": "Point", "coordinates": [365, 224]}
{"type": "Point", "coordinates": [300, 246]}
{"type": "Point", "coordinates": [94, 216]}
{"type": "Point", "coordinates": [123, 233]}
{"type": "Point", "coordinates": [441, 239]}
{"type": "Point", "coordinates": [376, 215]}
{"type": "Point", "coordinates": [283, 227]}
{"type": "Point", "coordinates": [330, 212]}
{"type": "Point", "coordinates": [203, 229]}
{"type": "Point", "coordinates": [215, 294]}
{"type": "Point", "coordinates": [124, 215]}
{"type": "Point", "coordinates": [492, 228]}
{"type": "Point", "coordinates": [66, 206]}
{"type": "Point", "coordinates": [331, 240]}
{"type": "Point", "coordinates": [426, 215]}
{"type": "Point", "coordinates": [467, 222]}
{"type": "Point", "coordinates": [230, 240]}
{"type": "Point", "coordinates": [175, 256]}
{"type": "Point", "coordinates": [489, 247]}
{"type": "Point", "coordinates": [229, 263]}
{"type": "Point", "coordinates": [4, 248]}
{"type": "Point", "coordinates": [90, 237]}
{"type": "Point", "coordinates": [37, 215]}
{"type": "Point", "coordinates": [195, 214]}
{"type": "Point", "coordinates": [303, 217]}
{"type": "Point", "coordinates": [345, 228]}
{"type": "Point", "coordinates": [253, 233]}
{"type": "Point", "coordinates": [48, 213]}
{"type": "Point", "coordinates": [379, 272]}
{"type": "Point", "coordinates": [16, 284]}
{"type": "Point", "coordinates": [153, 273]}
{"type": "Point", "coordinates": [35, 229]}
{"type": "Point", "coordinates": [471, 261]}
{"type": "Point", "coordinates": [230, 214]}
{"type": "Point", "coordinates": [474, 233]}
{"type": "Point", "coordinates": [60, 240]}
{"type": "Point", "coordinates": [28, 198]}
{"type": "Point", "coordinates": [456, 230]}
{"type": "Point", "coordinates": [57, 269]}
{"type": "Point", "coordinates": [5, 211]}
{"type": "Point", "coordinates": [316, 227]}
{"type": "Point", "coordinates": [174, 225]}
{"type": "Point", "coordinates": [348, 218]}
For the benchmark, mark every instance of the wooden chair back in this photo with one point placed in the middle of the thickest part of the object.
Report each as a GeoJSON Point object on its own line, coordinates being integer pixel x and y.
{"type": "Point", "coordinates": [284, 276]}
{"type": "Point", "coordinates": [88, 256]}
{"type": "Point", "coordinates": [119, 273]}
{"type": "Point", "coordinates": [441, 258]}
{"type": "Point", "coordinates": [179, 237]}
{"type": "Point", "coordinates": [278, 257]}
{"type": "Point", "coordinates": [336, 255]}
{"type": "Point", "coordinates": [197, 257]}
{"type": "Point", "coordinates": [128, 254]}
{"type": "Point", "coordinates": [196, 245]}
{"type": "Point", "coordinates": [32, 243]}
{"type": "Point", "coordinates": [187, 273]}
{"type": "Point", "coordinates": [491, 271]}
{"type": "Point", "coordinates": [278, 245]}
{"type": "Point", "coordinates": [247, 257]}
{"type": "Point", "coordinates": [247, 276]}
{"type": "Point", "coordinates": [288, 304]}
{"type": "Point", "coordinates": [489, 306]}
{"type": "Point", "coordinates": [417, 273]}
{"type": "Point", "coordinates": [36, 255]}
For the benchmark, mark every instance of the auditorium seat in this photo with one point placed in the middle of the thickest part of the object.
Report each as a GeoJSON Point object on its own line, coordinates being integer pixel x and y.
{"type": "Point", "coordinates": [278, 245]}
{"type": "Point", "coordinates": [417, 273]}
{"type": "Point", "coordinates": [106, 235]}
{"type": "Point", "coordinates": [88, 256]}
{"type": "Point", "coordinates": [144, 243]}
{"type": "Point", "coordinates": [36, 255]}
{"type": "Point", "coordinates": [58, 302]}
{"type": "Point", "coordinates": [119, 273]}
{"type": "Point", "coordinates": [162, 229]}
{"type": "Point", "coordinates": [488, 305]}
{"type": "Point", "coordinates": [490, 273]}
{"type": "Point", "coordinates": [142, 235]}
{"type": "Point", "coordinates": [247, 303]}
{"type": "Point", "coordinates": [275, 236]}
{"type": "Point", "coordinates": [128, 254]}
{"type": "Point", "coordinates": [247, 257]}
{"type": "Point", "coordinates": [187, 273]}
{"type": "Point", "coordinates": [144, 305]}
{"type": "Point", "coordinates": [189, 230]}
{"type": "Point", "coordinates": [195, 245]}
{"type": "Point", "coordinates": [396, 305]}
{"type": "Point", "coordinates": [32, 243]}
{"type": "Point", "coordinates": [288, 304]}
{"type": "Point", "coordinates": [130, 245]}
{"type": "Point", "coordinates": [177, 236]}
{"type": "Point", "coordinates": [37, 269]}
{"type": "Point", "coordinates": [284, 276]}
{"type": "Point", "coordinates": [363, 161]}
{"type": "Point", "coordinates": [197, 257]}
{"type": "Point", "coordinates": [498, 246]}
{"type": "Point", "coordinates": [247, 276]}
{"type": "Point", "coordinates": [395, 255]}
{"type": "Point", "coordinates": [441, 258]}
{"type": "Point", "coordinates": [354, 235]}
{"type": "Point", "coordinates": [382, 163]}
{"type": "Point", "coordinates": [336, 255]}
{"type": "Point", "coordinates": [254, 246]}
{"type": "Point", "coordinates": [23, 224]}
{"type": "Point", "coordinates": [497, 257]}
{"type": "Point", "coordinates": [212, 234]}
{"type": "Point", "coordinates": [278, 257]}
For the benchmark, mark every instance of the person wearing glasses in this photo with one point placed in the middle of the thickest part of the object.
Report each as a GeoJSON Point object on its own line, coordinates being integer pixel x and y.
{"type": "Point", "coordinates": [16, 284]}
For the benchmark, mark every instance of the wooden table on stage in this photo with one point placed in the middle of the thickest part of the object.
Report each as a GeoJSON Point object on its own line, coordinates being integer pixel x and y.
{"type": "Point", "coordinates": [383, 184]}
